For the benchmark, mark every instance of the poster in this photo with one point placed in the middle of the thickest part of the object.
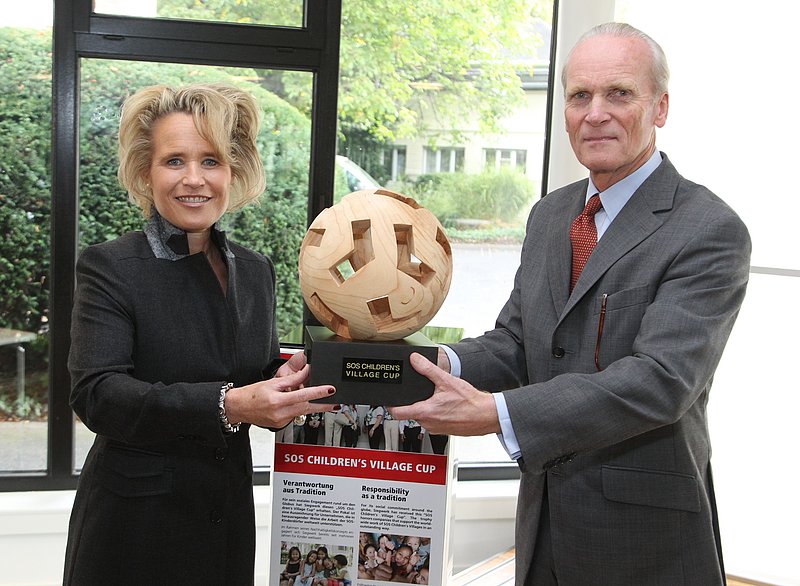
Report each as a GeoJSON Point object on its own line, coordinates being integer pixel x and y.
{"type": "Point", "coordinates": [358, 516]}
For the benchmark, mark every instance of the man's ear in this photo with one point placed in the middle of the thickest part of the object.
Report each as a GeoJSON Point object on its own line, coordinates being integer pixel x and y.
{"type": "Point", "coordinates": [662, 109]}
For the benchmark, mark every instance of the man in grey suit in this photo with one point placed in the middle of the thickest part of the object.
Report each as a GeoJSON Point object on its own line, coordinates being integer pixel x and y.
{"type": "Point", "coordinates": [600, 391]}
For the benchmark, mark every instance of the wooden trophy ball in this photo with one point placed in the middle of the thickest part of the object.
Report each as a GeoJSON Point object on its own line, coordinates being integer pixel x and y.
{"type": "Point", "coordinates": [376, 266]}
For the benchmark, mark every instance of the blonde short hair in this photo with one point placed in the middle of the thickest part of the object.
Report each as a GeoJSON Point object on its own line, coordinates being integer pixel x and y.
{"type": "Point", "coordinates": [227, 117]}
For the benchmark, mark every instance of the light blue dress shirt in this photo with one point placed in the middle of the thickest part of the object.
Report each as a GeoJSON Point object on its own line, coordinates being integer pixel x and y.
{"type": "Point", "coordinates": [613, 199]}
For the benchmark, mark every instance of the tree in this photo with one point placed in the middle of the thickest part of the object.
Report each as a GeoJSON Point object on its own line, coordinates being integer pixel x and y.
{"type": "Point", "coordinates": [454, 58]}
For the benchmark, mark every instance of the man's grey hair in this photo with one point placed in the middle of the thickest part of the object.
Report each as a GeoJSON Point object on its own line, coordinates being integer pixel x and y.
{"type": "Point", "coordinates": [659, 69]}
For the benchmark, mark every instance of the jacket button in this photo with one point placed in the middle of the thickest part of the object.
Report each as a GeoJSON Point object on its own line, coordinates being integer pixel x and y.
{"type": "Point", "coordinates": [220, 454]}
{"type": "Point", "coordinates": [216, 517]}
{"type": "Point", "coordinates": [558, 352]}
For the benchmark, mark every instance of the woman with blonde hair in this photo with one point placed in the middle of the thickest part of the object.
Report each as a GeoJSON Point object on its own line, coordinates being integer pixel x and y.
{"type": "Point", "coordinates": [175, 353]}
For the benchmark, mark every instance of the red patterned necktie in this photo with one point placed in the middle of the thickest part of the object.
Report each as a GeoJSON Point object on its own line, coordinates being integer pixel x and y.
{"type": "Point", "coordinates": [583, 235]}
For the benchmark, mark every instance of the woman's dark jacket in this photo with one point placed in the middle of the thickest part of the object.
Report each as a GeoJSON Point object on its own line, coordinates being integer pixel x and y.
{"type": "Point", "coordinates": [164, 496]}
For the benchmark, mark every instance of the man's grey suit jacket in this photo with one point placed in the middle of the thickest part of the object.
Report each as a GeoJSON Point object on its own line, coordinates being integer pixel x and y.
{"type": "Point", "coordinates": [624, 452]}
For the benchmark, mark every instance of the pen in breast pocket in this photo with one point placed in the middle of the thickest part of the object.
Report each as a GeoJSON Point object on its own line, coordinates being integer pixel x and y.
{"type": "Point", "coordinates": [601, 322]}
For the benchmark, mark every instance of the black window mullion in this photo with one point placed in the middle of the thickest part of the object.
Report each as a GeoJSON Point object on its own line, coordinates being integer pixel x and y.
{"type": "Point", "coordinates": [165, 29]}
{"type": "Point", "coordinates": [63, 240]}
{"type": "Point", "coordinates": [324, 120]}
{"type": "Point", "coordinates": [200, 52]}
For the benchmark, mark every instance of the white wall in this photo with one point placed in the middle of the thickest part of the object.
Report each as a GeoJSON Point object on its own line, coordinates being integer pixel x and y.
{"type": "Point", "coordinates": [33, 530]}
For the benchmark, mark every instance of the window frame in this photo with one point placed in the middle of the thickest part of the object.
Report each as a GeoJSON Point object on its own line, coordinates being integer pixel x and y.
{"type": "Point", "coordinates": [79, 33]}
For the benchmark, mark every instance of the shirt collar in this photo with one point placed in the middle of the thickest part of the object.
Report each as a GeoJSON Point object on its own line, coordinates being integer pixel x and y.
{"type": "Point", "coordinates": [169, 242]}
{"type": "Point", "coordinates": [615, 197]}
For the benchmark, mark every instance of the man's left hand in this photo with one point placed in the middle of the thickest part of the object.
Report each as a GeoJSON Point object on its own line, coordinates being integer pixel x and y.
{"type": "Point", "coordinates": [456, 407]}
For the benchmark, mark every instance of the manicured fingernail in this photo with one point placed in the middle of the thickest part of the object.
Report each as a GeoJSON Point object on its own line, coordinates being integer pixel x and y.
{"type": "Point", "coordinates": [331, 391]}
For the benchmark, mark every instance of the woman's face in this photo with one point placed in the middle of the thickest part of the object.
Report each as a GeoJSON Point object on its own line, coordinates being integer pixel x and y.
{"type": "Point", "coordinates": [190, 184]}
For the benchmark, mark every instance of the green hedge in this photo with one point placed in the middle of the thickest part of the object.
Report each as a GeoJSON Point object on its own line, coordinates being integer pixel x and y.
{"type": "Point", "coordinates": [496, 196]}
{"type": "Point", "coordinates": [25, 65]}
{"type": "Point", "coordinates": [275, 226]}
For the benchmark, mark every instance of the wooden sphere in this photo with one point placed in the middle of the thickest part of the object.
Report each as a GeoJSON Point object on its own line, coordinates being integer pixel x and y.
{"type": "Point", "coordinates": [376, 266]}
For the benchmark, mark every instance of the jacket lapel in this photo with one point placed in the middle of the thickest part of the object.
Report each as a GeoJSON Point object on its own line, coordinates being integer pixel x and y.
{"type": "Point", "coordinates": [635, 222]}
{"type": "Point", "coordinates": [559, 248]}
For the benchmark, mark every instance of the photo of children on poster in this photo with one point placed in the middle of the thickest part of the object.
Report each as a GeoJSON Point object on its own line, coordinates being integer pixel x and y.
{"type": "Point", "coordinates": [381, 505]}
{"type": "Point", "coordinates": [320, 565]}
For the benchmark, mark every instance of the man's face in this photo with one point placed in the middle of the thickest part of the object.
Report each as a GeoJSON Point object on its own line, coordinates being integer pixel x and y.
{"type": "Point", "coordinates": [612, 109]}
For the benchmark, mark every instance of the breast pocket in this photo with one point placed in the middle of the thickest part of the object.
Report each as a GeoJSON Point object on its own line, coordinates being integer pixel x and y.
{"type": "Point", "coordinates": [132, 473]}
{"type": "Point", "coordinates": [619, 318]}
{"type": "Point", "coordinates": [627, 299]}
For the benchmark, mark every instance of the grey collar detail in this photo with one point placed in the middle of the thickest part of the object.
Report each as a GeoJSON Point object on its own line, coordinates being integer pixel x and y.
{"type": "Point", "coordinates": [171, 243]}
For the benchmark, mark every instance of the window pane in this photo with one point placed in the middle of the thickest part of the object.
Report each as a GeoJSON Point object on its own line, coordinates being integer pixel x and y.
{"type": "Point", "coordinates": [393, 166]}
{"type": "Point", "coordinates": [25, 127]}
{"type": "Point", "coordinates": [757, 536]}
{"type": "Point", "coordinates": [505, 158]}
{"type": "Point", "coordinates": [288, 13]}
{"type": "Point", "coordinates": [275, 226]}
{"type": "Point", "coordinates": [442, 93]}
{"type": "Point", "coordinates": [444, 160]}
{"type": "Point", "coordinates": [431, 160]}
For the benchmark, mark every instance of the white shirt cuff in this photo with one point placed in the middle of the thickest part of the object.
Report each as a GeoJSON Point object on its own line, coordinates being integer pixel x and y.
{"type": "Point", "coordinates": [455, 361]}
{"type": "Point", "coordinates": [506, 436]}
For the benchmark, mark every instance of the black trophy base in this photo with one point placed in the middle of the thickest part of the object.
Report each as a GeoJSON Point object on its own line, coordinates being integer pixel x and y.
{"type": "Point", "coordinates": [368, 373]}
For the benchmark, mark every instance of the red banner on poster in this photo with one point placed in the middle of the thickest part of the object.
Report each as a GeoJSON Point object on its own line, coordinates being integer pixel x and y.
{"type": "Point", "coordinates": [360, 463]}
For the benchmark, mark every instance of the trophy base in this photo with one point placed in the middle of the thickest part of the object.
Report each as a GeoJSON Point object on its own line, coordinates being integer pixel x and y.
{"type": "Point", "coordinates": [368, 373]}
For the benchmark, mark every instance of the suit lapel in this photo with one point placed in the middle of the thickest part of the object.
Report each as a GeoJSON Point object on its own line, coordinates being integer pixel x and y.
{"type": "Point", "coordinates": [559, 248]}
{"type": "Point", "coordinates": [635, 222]}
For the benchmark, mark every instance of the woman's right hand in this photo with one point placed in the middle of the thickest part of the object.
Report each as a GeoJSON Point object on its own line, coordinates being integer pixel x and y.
{"type": "Point", "coordinates": [277, 401]}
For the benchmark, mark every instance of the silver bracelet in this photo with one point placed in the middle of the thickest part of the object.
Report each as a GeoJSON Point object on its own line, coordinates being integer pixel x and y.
{"type": "Point", "coordinates": [227, 426]}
